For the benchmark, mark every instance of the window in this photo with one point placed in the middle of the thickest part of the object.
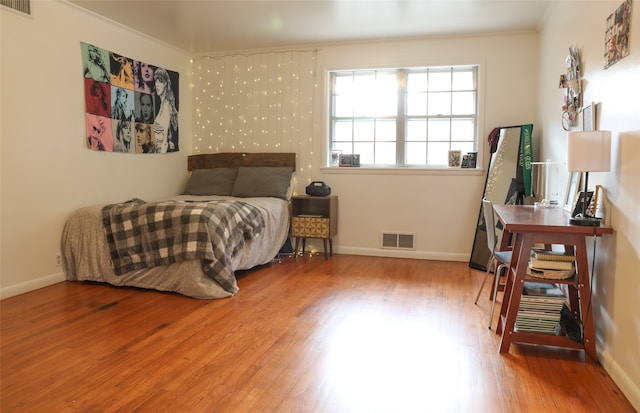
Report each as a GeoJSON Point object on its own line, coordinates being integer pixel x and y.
{"type": "Point", "coordinates": [403, 117]}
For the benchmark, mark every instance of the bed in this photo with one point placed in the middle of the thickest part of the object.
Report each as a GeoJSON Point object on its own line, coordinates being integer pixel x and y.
{"type": "Point", "coordinates": [233, 215]}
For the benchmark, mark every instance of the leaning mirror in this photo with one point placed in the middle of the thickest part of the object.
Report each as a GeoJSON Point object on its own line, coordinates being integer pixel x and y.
{"type": "Point", "coordinates": [504, 185]}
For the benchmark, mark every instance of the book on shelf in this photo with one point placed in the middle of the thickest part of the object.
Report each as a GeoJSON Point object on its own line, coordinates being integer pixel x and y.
{"type": "Point", "coordinates": [541, 289]}
{"type": "Point", "coordinates": [550, 265]}
{"type": "Point", "coordinates": [540, 308]}
{"type": "Point", "coordinates": [550, 274]}
{"type": "Point", "coordinates": [552, 255]}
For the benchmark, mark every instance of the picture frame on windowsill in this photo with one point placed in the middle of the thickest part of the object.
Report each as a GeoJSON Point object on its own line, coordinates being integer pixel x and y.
{"type": "Point", "coordinates": [335, 157]}
{"type": "Point", "coordinates": [349, 160]}
{"type": "Point", "coordinates": [455, 159]}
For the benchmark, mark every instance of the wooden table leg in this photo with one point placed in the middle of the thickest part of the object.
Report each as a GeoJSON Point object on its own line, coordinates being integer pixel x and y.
{"type": "Point", "coordinates": [523, 253]}
{"type": "Point", "coordinates": [509, 284]}
{"type": "Point", "coordinates": [586, 311]}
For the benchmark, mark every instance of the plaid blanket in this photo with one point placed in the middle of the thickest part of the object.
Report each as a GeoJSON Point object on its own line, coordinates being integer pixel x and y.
{"type": "Point", "coordinates": [146, 234]}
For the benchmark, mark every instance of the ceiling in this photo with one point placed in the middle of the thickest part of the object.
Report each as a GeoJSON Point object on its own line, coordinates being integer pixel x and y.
{"type": "Point", "coordinates": [212, 26]}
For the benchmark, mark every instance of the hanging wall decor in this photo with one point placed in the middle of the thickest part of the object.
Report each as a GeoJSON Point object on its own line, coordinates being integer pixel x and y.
{"type": "Point", "coordinates": [617, 34]}
{"type": "Point", "coordinates": [572, 84]}
{"type": "Point", "coordinates": [131, 106]}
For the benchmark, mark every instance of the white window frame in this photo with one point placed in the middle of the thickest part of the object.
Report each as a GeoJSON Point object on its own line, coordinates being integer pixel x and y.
{"type": "Point", "coordinates": [401, 117]}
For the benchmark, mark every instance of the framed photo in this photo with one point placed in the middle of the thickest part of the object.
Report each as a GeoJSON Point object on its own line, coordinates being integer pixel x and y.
{"type": "Point", "coordinates": [589, 118]}
{"type": "Point", "coordinates": [583, 199]}
{"type": "Point", "coordinates": [335, 157]}
{"type": "Point", "coordinates": [473, 159]}
{"type": "Point", "coordinates": [455, 159]}
{"type": "Point", "coordinates": [465, 161]}
{"type": "Point", "coordinates": [573, 183]}
{"type": "Point", "coordinates": [617, 34]}
{"type": "Point", "coordinates": [350, 160]}
{"type": "Point", "coordinates": [598, 213]}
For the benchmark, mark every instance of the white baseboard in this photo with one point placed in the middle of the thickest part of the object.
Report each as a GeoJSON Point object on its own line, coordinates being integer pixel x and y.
{"type": "Point", "coordinates": [423, 255]}
{"type": "Point", "coordinates": [622, 379]}
{"type": "Point", "coordinates": [25, 287]}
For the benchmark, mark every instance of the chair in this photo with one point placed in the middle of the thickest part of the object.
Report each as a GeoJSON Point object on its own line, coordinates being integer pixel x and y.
{"type": "Point", "coordinates": [501, 257]}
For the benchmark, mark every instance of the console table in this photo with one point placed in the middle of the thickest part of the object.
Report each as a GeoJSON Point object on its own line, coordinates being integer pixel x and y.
{"type": "Point", "coordinates": [530, 225]}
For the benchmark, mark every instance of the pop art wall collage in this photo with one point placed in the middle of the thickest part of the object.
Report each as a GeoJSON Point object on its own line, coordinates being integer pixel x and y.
{"type": "Point", "coordinates": [131, 106]}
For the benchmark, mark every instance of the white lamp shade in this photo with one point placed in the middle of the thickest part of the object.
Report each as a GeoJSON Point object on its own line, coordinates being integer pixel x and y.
{"type": "Point", "coordinates": [589, 151]}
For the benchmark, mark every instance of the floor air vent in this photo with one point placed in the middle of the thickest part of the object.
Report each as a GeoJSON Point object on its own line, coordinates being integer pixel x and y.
{"type": "Point", "coordinates": [23, 6]}
{"type": "Point", "coordinates": [397, 241]}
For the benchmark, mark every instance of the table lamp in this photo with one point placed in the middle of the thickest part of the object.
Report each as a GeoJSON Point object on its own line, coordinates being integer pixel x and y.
{"type": "Point", "coordinates": [588, 152]}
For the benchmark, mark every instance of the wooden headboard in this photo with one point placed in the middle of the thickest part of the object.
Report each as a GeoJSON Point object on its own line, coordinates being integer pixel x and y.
{"type": "Point", "coordinates": [238, 159]}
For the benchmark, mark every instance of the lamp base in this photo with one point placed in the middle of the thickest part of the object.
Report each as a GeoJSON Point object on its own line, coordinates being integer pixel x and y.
{"type": "Point", "coordinates": [584, 221]}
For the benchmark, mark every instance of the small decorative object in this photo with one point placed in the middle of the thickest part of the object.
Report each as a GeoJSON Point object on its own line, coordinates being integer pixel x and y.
{"type": "Point", "coordinates": [318, 188]}
{"type": "Point", "coordinates": [617, 34]}
{"type": "Point", "coordinates": [589, 118]}
{"type": "Point", "coordinates": [349, 160]}
{"type": "Point", "coordinates": [545, 182]}
{"type": "Point", "coordinates": [335, 157]}
{"type": "Point", "coordinates": [584, 205]}
{"type": "Point", "coordinates": [455, 158]}
{"type": "Point", "coordinates": [469, 160]}
{"type": "Point", "coordinates": [570, 81]}
{"type": "Point", "coordinates": [473, 159]}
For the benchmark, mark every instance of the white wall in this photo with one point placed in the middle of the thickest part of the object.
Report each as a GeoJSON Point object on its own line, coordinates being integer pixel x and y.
{"type": "Point", "coordinates": [440, 207]}
{"type": "Point", "coordinates": [46, 169]}
{"type": "Point", "coordinates": [615, 90]}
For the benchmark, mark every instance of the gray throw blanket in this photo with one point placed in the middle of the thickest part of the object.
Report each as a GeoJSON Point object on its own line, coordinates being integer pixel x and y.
{"type": "Point", "coordinates": [146, 234]}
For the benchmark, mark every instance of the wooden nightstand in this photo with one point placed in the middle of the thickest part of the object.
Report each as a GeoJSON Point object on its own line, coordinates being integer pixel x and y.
{"type": "Point", "coordinates": [314, 217]}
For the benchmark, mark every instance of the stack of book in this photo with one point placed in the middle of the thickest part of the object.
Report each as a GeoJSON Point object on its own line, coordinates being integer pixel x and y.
{"type": "Point", "coordinates": [551, 264]}
{"type": "Point", "coordinates": [540, 308]}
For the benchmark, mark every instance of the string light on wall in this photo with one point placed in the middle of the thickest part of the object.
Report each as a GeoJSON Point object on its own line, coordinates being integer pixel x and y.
{"type": "Point", "coordinates": [258, 101]}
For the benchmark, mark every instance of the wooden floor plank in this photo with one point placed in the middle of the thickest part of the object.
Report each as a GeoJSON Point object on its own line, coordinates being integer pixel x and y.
{"type": "Point", "coordinates": [349, 334]}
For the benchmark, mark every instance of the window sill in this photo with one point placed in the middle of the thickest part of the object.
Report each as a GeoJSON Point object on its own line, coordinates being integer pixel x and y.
{"type": "Point", "coordinates": [392, 170]}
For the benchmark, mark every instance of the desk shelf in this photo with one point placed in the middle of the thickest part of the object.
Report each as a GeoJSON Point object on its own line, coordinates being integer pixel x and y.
{"type": "Point", "coordinates": [543, 339]}
{"type": "Point", "coordinates": [547, 226]}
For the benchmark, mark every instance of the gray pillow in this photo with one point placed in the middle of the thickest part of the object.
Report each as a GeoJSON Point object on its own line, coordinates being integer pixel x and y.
{"type": "Point", "coordinates": [217, 181]}
{"type": "Point", "coordinates": [261, 181]}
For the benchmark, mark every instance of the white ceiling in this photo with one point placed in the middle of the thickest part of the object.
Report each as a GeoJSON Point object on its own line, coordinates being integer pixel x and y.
{"type": "Point", "coordinates": [210, 26]}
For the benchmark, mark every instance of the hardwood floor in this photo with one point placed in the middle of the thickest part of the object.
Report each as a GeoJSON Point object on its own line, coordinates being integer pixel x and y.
{"type": "Point", "coordinates": [350, 334]}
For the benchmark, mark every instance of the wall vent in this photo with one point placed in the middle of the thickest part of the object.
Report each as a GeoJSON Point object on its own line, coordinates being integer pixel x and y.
{"type": "Point", "coordinates": [401, 241]}
{"type": "Point", "coordinates": [23, 6]}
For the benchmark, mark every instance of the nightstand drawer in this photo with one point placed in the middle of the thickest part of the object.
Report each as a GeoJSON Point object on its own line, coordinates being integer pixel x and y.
{"type": "Point", "coordinates": [310, 227]}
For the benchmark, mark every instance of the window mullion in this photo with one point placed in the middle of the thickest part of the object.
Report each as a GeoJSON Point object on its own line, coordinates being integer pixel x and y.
{"type": "Point", "coordinates": [401, 119]}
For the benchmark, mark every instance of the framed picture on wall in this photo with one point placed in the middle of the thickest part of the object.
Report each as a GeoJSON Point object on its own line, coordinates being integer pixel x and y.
{"type": "Point", "coordinates": [617, 34]}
